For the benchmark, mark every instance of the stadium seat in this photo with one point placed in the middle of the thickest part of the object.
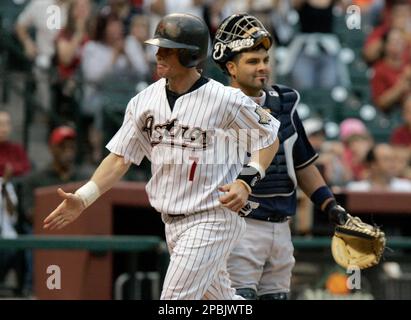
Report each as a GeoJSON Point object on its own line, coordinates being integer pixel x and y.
{"type": "Point", "coordinates": [12, 56]}
{"type": "Point", "coordinates": [321, 103]}
{"type": "Point", "coordinates": [382, 125]}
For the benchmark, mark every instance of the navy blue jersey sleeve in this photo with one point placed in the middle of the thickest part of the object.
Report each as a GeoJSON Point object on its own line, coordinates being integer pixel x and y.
{"type": "Point", "coordinates": [303, 152]}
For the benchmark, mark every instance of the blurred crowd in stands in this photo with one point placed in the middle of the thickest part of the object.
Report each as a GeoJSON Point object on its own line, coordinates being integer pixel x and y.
{"type": "Point", "coordinates": [351, 65]}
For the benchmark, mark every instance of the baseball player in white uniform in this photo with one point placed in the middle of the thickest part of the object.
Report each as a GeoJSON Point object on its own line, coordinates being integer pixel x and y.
{"type": "Point", "coordinates": [179, 124]}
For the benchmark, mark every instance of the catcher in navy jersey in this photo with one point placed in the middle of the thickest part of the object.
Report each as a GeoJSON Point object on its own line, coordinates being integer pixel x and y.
{"type": "Point", "coordinates": [261, 264]}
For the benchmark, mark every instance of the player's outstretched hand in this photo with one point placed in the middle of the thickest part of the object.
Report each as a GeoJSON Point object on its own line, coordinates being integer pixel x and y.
{"type": "Point", "coordinates": [68, 211]}
{"type": "Point", "coordinates": [236, 196]}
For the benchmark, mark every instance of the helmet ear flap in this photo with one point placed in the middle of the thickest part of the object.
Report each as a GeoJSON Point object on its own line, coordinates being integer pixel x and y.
{"type": "Point", "coordinates": [185, 32]}
{"type": "Point", "coordinates": [188, 57]}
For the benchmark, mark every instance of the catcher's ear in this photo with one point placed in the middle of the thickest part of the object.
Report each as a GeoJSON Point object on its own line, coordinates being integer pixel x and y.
{"type": "Point", "coordinates": [231, 69]}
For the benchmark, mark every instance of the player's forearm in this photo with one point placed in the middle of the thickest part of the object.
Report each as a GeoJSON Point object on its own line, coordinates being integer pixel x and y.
{"type": "Point", "coordinates": [265, 156]}
{"type": "Point", "coordinates": [310, 180]}
{"type": "Point", "coordinates": [110, 171]}
{"type": "Point", "coordinates": [372, 51]}
{"type": "Point", "coordinates": [22, 34]}
{"type": "Point", "coordinates": [389, 97]}
{"type": "Point", "coordinates": [66, 49]}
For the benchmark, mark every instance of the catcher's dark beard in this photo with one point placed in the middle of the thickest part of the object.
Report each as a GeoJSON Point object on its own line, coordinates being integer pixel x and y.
{"type": "Point", "coordinates": [261, 83]}
{"type": "Point", "coordinates": [264, 82]}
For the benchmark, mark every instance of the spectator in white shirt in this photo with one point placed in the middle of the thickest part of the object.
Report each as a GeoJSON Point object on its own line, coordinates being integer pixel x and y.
{"type": "Point", "coordinates": [47, 18]}
{"type": "Point", "coordinates": [134, 47]}
{"type": "Point", "coordinates": [106, 61]}
{"type": "Point", "coordinates": [380, 161]}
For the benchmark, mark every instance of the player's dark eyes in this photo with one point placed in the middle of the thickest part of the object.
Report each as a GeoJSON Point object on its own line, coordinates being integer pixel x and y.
{"type": "Point", "coordinates": [165, 52]}
{"type": "Point", "coordinates": [256, 61]}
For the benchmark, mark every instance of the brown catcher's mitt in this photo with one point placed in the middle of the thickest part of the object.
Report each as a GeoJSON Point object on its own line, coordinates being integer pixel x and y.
{"type": "Point", "coordinates": [357, 244]}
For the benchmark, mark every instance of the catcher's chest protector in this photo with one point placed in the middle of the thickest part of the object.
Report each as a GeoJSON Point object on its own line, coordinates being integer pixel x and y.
{"type": "Point", "coordinates": [280, 177]}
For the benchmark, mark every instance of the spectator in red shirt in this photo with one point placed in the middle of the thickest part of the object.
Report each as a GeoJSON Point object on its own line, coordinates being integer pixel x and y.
{"type": "Point", "coordinates": [392, 78]}
{"type": "Point", "coordinates": [13, 158]}
{"type": "Point", "coordinates": [70, 43]}
{"type": "Point", "coordinates": [402, 135]}
{"type": "Point", "coordinates": [72, 38]}
{"type": "Point", "coordinates": [388, 7]}
{"type": "Point", "coordinates": [398, 17]}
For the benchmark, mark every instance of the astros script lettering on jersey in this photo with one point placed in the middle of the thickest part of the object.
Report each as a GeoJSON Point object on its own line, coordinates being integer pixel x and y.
{"type": "Point", "coordinates": [189, 159]}
{"type": "Point", "coordinates": [174, 134]}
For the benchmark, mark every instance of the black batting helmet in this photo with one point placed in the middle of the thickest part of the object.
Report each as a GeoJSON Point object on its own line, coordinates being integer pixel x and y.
{"type": "Point", "coordinates": [237, 33]}
{"type": "Point", "coordinates": [185, 32]}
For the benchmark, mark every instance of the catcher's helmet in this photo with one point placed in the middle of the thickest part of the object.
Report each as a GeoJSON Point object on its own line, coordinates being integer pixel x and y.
{"type": "Point", "coordinates": [185, 32]}
{"type": "Point", "coordinates": [237, 33]}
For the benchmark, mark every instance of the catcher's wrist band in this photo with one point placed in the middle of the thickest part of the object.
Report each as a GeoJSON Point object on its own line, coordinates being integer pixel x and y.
{"type": "Point", "coordinates": [320, 195]}
{"type": "Point", "coordinates": [251, 173]}
{"type": "Point", "coordinates": [88, 193]}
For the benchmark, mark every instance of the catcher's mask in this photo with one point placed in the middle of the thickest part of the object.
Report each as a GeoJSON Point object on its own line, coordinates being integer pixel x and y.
{"type": "Point", "coordinates": [238, 33]}
{"type": "Point", "coordinates": [185, 32]}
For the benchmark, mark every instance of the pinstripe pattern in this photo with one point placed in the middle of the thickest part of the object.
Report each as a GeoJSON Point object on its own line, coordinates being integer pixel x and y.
{"type": "Point", "coordinates": [210, 107]}
{"type": "Point", "coordinates": [199, 246]}
{"type": "Point", "coordinates": [200, 241]}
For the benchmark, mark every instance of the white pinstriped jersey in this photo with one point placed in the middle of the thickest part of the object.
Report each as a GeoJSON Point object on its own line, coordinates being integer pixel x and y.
{"type": "Point", "coordinates": [189, 160]}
